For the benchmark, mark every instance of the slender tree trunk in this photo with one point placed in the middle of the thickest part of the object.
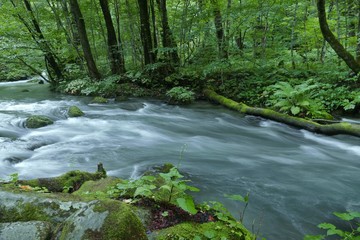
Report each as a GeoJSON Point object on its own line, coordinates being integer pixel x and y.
{"type": "Point", "coordinates": [220, 35]}
{"type": "Point", "coordinates": [331, 39]}
{"type": "Point", "coordinates": [80, 23]}
{"type": "Point", "coordinates": [146, 40]}
{"type": "Point", "coordinates": [36, 33]}
{"type": "Point", "coordinates": [293, 36]}
{"type": "Point", "coordinates": [115, 55]}
{"type": "Point", "coordinates": [153, 24]}
{"type": "Point", "coordinates": [119, 42]}
{"type": "Point", "coordinates": [168, 40]}
{"type": "Point", "coordinates": [136, 52]}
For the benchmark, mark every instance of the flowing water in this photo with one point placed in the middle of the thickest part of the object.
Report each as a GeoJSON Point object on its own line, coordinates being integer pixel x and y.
{"type": "Point", "coordinates": [295, 178]}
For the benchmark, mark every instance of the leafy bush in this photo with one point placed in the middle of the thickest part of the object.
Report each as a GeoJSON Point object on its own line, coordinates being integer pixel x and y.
{"type": "Point", "coordinates": [296, 100]}
{"type": "Point", "coordinates": [332, 230]}
{"type": "Point", "coordinates": [180, 95]}
{"type": "Point", "coordinates": [168, 187]}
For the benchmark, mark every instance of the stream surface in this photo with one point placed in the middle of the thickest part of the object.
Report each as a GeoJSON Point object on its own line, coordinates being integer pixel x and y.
{"type": "Point", "coordinates": [295, 178]}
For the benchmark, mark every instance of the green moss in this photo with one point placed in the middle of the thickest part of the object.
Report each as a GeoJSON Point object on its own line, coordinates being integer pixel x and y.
{"type": "Point", "coordinates": [68, 182]}
{"type": "Point", "coordinates": [210, 230]}
{"type": "Point", "coordinates": [97, 189]}
{"type": "Point", "coordinates": [38, 121]}
{"type": "Point", "coordinates": [74, 111]}
{"type": "Point", "coordinates": [23, 212]}
{"type": "Point", "coordinates": [99, 100]}
{"type": "Point", "coordinates": [121, 223]}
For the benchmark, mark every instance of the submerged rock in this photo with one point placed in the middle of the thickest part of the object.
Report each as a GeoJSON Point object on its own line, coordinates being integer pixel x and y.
{"type": "Point", "coordinates": [38, 121]}
{"type": "Point", "coordinates": [74, 111]}
{"type": "Point", "coordinates": [99, 100]}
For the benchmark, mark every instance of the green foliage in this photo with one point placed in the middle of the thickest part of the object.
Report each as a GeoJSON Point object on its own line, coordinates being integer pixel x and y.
{"type": "Point", "coordinates": [180, 95]}
{"type": "Point", "coordinates": [167, 187]}
{"type": "Point", "coordinates": [332, 230]}
{"type": "Point", "coordinates": [295, 100]}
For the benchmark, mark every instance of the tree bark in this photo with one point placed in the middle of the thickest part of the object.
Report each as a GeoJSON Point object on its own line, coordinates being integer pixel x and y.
{"type": "Point", "coordinates": [331, 39]}
{"type": "Point", "coordinates": [116, 58]}
{"type": "Point", "coordinates": [220, 35]}
{"type": "Point", "coordinates": [168, 40]}
{"type": "Point", "coordinates": [36, 33]}
{"type": "Point", "coordinates": [145, 32]}
{"type": "Point", "coordinates": [80, 24]}
{"type": "Point", "coordinates": [330, 129]}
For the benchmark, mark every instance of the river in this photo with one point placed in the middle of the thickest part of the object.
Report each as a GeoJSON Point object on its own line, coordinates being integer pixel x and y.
{"type": "Point", "coordinates": [295, 178]}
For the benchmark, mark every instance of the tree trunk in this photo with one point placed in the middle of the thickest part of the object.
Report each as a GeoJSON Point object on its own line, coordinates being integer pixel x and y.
{"type": "Point", "coordinates": [115, 55]}
{"type": "Point", "coordinates": [167, 37]}
{"type": "Point", "coordinates": [145, 32]}
{"type": "Point", "coordinates": [331, 129]}
{"type": "Point", "coordinates": [293, 35]}
{"type": "Point", "coordinates": [220, 35]}
{"type": "Point", "coordinates": [331, 39]}
{"type": "Point", "coordinates": [36, 33]}
{"type": "Point", "coordinates": [80, 24]}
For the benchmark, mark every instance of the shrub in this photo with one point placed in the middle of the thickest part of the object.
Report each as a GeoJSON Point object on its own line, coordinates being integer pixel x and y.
{"type": "Point", "coordinates": [180, 95]}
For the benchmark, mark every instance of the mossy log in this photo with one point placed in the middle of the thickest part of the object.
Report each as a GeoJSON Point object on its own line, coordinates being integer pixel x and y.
{"type": "Point", "coordinates": [328, 129]}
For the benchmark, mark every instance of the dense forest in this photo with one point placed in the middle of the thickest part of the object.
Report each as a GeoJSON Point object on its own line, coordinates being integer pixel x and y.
{"type": "Point", "coordinates": [298, 57]}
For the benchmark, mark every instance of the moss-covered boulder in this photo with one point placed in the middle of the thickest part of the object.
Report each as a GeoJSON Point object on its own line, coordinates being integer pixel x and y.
{"type": "Point", "coordinates": [38, 121]}
{"type": "Point", "coordinates": [108, 219]}
{"type": "Point", "coordinates": [74, 111]}
{"type": "Point", "coordinates": [25, 230]}
{"type": "Point", "coordinates": [210, 230]}
{"type": "Point", "coordinates": [99, 100]}
{"type": "Point", "coordinates": [68, 182]}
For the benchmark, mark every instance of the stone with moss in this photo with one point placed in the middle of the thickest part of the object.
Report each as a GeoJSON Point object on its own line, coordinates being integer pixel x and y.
{"type": "Point", "coordinates": [97, 189]}
{"type": "Point", "coordinates": [107, 219]}
{"type": "Point", "coordinates": [68, 182]}
{"type": "Point", "coordinates": [210, 230]}
{"type": "Point", "coordinates": [121, 98]}
{"type": "Point", "coordinates": [25, 230]}
{"type": "Point", "coordinates": [99, 100]}
{"type": "Point", "coordinates": [74, 111]}
{"type": "Point", "coordinates": [38, 121]}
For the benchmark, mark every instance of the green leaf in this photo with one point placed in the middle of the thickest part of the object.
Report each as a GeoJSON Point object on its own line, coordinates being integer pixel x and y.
{"type": "Point", "coordinates": [315, 237]}
{"type": "Point", "coordinates": [235, 197]}
{"type": "Point", "coordinates": [143, 191]}
{"type": "Point", "coordinates": [326, 226]}
{"type": "Point", "coordinates": [295, 110]}
{"type": "Point", "coordinates": [209, 234]}
{"type": "Point", "coordinates": [197, 238]}
{"type": "Point", "coordinates": [344, 216]}
{"type": "Point", "coordinates": [166, 187]}
{"type": "Point", "coordinates": [187, 204]}
{"type": "Point", "coordinates": [335, 232]}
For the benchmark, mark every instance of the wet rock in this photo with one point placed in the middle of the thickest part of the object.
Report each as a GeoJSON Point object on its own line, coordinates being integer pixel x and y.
{"type": "Point", "coordinates": [32, 230]}
{"type": "Point", "coordinates": [121, 98]}
{"type": "Point", "coordinates": [25, 90]}
{"type": "Point", "coordinates": [74, 111]}
{"type": "Point", "coordinates": [38, 121]}
{"type": "Point", "coordinates": [99, 100]}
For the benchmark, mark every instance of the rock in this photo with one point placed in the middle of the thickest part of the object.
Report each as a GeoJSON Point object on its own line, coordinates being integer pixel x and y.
{"type": "Point", "coordinates": [107, 219]}
{"type": "Point", "coordinates": [74, 111]}
{"type": "Point", "coordinates": [121, 98]}
{"type": "Point", "coordinates": [32, 230]}
{"type": "Point", "coordinates": [38, 121]}
{"type": "Point", "coordinates": [99, 100]}
{"type": "Point", "coordinates": [25, 90]}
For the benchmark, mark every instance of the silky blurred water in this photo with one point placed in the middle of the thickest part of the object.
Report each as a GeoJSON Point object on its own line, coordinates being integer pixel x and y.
{"type": "Point", "coordinates": [295, 178]}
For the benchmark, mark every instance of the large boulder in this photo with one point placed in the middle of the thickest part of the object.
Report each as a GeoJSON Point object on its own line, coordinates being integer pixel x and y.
{"type": "Point", "coordinates": [99, 100]}
{"type": "Point", "coordinates": [38, 121]}
{"type": "Point", "coordinates": [74, 111]}
{"type": "Point", "coordinates": [31, 230]}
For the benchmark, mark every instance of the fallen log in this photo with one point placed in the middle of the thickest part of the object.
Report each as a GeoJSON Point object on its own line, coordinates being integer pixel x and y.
{"type": "Point", "coordinates": [328, 129]}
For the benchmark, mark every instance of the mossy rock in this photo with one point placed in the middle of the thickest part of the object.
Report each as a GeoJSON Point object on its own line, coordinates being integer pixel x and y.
{"type": "Point", "coordinates": [97, 189]}
{"type": "Point", "coordinates": [99, 100]}
{"type": "Point", "coordinates": [121, 98]}
{"type": "Point", "coordinates": [38, 121]}
{"type": "Point", "coordinates": [74, 111]}
{"type": "Point", "coordinates": [107, 220]}
{"type": "Point", "coordinates": [69, 182]}
{"type": "Point", "coordinates": [25, 230]}
{"type": "Point", "coordinates": [210, 230]}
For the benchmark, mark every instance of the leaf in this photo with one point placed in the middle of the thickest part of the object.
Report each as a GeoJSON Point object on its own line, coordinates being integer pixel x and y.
{"type": "Point", "coordinates": [295, 110]}
{"type": "Point", "coordinates": [148, 178]}
{"type": "Point", "coordinates": [166, 187]}
{"type": "Point", "coordinates": [235, 197]}
{"type": "Point", "coordinates": [315, 237]}
{"type": "Point", "coordinates": [142, 191]}
{"type": "Point", "coordinates": [344, 216]}
{"type": "Point", "coordinates": [326, 226]}
{"type": "Point", "coordinates": [209, 234]}
{"type": "Point", "coordinates": [335, 232]}
{"type": "Point", "coordinates": [187, 204]}
{"type": "Point", "coordinates": [197, 238]}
